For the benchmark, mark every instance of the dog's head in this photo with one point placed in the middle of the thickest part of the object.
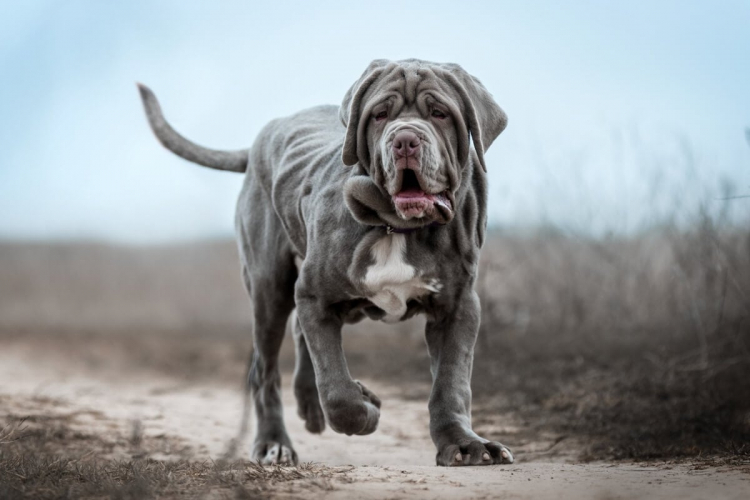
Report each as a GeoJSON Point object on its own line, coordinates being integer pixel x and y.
{"type": "Point", "coordinates": [411, 125]}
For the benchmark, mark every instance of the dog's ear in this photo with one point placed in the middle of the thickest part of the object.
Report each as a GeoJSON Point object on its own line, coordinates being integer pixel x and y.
{"type": "Point", "coordinates": [351, 110]}
{"type": "Point", "coordinates": [485, 119]}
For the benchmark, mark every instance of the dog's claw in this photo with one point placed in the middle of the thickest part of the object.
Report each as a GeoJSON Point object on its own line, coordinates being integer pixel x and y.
{"type": "Point", "coordinates": [474, 453]}
{"type": "Point", "coordinates": [274, 454]}
{"type": "Point", "coordinates": [507, 456]}
{"type": "Point", "coordinates": [286, 455]}
{"type": "Point", "coordinates": [369, 394]}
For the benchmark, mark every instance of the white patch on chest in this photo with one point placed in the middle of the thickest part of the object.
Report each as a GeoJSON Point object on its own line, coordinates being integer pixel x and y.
{"type": "Point", "coordinates": [391, 281]}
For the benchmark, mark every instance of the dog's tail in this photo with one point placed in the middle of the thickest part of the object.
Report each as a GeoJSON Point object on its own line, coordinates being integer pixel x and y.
{"type": "Point", "coordinates": [235, 161]}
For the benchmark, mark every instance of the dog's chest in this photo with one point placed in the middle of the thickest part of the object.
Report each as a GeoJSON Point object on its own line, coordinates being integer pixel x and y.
{"type": "Point", "coordinates": [391, 281]}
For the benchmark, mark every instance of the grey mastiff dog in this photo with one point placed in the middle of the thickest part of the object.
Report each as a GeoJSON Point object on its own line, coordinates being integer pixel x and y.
{"type": "Point", "coordinates": [375, 208]}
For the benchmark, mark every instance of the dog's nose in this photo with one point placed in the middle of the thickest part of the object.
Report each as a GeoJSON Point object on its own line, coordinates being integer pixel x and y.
{"type": "Point", "coordinates": [406, 143]}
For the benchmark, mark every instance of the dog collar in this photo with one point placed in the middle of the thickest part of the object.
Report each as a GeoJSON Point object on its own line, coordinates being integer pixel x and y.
{"type": "Point", "coordinates": [406, 230]}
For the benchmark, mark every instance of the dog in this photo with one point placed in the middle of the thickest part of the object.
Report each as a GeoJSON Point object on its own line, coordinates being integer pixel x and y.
{"type": "Point", "coordinates": [375, 208]}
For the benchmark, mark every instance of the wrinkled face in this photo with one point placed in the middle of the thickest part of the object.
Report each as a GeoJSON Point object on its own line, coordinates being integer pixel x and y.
{"type": "Point", "coordinates": [413, 147]}
{"type": "Point", "coordinates": [411, 125]}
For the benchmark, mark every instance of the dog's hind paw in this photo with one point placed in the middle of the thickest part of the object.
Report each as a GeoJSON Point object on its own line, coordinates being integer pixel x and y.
{"type": "Point", "coordinates": [309, 410]}
{"type": "Point", "coordinates": [274, 453]}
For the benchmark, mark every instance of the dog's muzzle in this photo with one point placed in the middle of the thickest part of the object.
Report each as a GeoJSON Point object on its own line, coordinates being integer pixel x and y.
{"type": "Point", "coordinates": [410, 193]}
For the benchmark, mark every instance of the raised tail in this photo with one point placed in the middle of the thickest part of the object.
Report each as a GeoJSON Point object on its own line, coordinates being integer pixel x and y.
{"type": "Point", "coordinates": [235, 161]}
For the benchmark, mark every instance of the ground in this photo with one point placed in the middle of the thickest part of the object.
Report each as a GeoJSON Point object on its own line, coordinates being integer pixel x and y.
{"type": "Point", "coordinates": [614, 367]}
{"type": "Point", "coordinates": [131, 427]}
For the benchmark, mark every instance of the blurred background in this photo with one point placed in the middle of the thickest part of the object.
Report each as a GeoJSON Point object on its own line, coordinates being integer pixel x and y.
{"type": "Point", "coordinates": [621, 116]}
{"type": "Point", "coordinates": [616, 279]}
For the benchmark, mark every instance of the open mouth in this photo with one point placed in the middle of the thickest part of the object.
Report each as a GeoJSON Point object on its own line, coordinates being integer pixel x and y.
{"type": "Point", "coordinates": [412, 201]}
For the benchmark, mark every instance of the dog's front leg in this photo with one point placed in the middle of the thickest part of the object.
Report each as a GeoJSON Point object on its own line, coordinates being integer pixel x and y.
{"type": "Point", "coordinates": [451, 333]}
{"type": "Point", "coordinates": [349, 407]}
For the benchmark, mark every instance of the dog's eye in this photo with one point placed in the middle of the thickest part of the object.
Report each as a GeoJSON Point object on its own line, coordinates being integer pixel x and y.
{"type": "Point", "coordinates": [438, 114]}
{"type": "Point", "coordinates": [381, 116]}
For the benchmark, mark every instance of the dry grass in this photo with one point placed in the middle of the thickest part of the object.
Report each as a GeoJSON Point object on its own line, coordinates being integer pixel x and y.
{"type": "Point", "coordinates": [109, 288]}
{"type": "Point", "coordinates": [36, 462]}
{"type": "Point", "coordinates": [638, 346]}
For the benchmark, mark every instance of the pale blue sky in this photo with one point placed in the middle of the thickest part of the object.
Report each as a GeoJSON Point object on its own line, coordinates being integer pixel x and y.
{"type": "Point", "coordinates": [619, 111]}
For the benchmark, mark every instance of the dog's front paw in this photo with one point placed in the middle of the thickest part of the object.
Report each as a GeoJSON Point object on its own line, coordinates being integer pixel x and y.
{"type": "Point", "coordinates": [368, 395]}
{"type": "Point", "coordinates": [358, 413]}
{"type": "Point", "coordinates": [474, 453]}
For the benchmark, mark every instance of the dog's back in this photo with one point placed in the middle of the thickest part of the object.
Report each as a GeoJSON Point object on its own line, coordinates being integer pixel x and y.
{"type": "Point", "coordinates": [293, 166]}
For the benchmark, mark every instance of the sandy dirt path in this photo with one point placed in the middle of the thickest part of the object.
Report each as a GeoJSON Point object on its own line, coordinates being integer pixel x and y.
{"type": "Point", "coordinates": [178, 420]}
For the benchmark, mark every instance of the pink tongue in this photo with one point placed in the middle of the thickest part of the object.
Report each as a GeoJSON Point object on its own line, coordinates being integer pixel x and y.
{"type": "Point", "coordinates": [411, 194]}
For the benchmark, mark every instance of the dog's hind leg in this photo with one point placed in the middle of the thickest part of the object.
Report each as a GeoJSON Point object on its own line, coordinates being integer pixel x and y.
{"type": "Point", "coordinates": [271, 290]}
{"type": "Point", "coordinates": [305, 390]}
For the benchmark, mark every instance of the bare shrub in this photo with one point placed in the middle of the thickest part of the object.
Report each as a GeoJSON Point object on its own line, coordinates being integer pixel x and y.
{"type": "Point", "coordinates": [641, 343]}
